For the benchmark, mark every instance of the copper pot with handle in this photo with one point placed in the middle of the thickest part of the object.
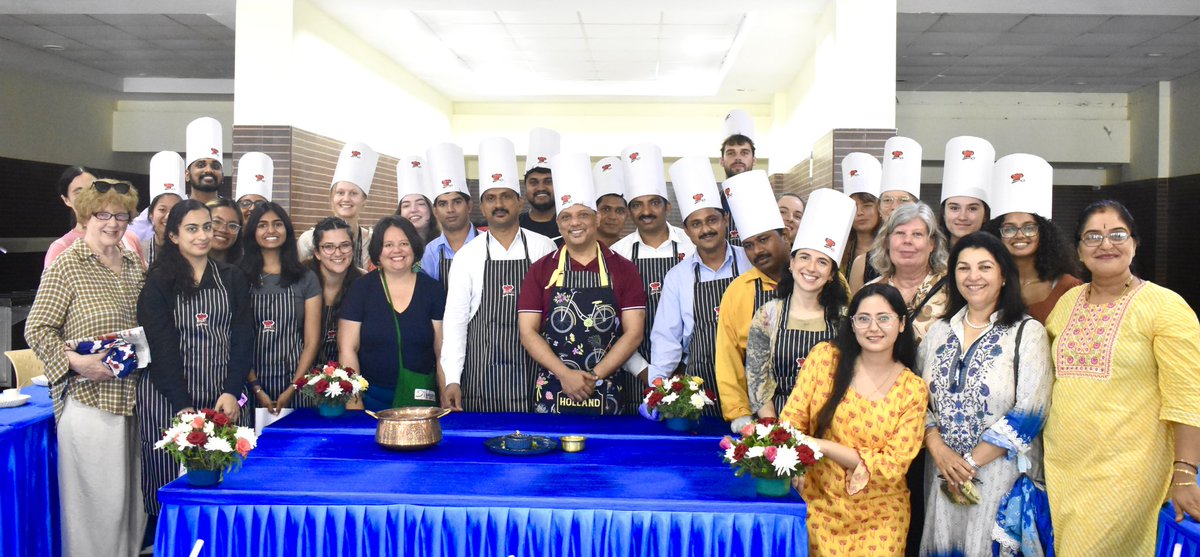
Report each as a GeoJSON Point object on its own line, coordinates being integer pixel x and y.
{"type": "Point", "coordinates": [410, 428]}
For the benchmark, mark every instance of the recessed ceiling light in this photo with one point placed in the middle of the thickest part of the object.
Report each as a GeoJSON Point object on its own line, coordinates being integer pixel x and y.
{"type": "Point", "coordinates": [1154, 54]}
{"type": "Point", "coordinates": [901, 81]}
{"type": "Point", "coordinates": [937, 53]}
{"type": "Point", "coordinates": [54, 47]}
{"type": "Point", "coordinates": [1080, 83]}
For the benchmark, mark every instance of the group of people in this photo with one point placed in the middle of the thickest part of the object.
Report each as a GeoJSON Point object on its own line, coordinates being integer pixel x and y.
{"type": "Point", "coordinates": [968, 391]}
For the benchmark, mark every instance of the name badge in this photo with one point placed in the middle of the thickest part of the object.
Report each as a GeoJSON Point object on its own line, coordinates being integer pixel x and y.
{"type": "Point", "coordinates": [423, 394]}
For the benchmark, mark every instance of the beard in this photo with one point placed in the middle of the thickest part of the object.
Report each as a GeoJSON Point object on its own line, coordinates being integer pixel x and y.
{"type": "Point", "coordinates": [542, 206]}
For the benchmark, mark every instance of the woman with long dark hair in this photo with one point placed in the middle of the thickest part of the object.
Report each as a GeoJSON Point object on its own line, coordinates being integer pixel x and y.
{"type": "Point", "coordinates": [331, 263]}
{"type": "Point", "coordinates": [858, 398]}
{"type": "Point", "coordinates": [200, 327]}
{"type": "Point", "coordinates": [227, 230]}
{"type": "Point", "coordinates": [287, 306]}
{"type": "Point", "coordinates": [988, 368]}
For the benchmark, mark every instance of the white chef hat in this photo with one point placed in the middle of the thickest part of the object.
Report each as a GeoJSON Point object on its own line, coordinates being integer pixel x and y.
{"type": "Point", "coordinates": [446, 169]}
{"type": "Point", "coordinates": [1022, 183]}
{"type": "Point", "coordinates": [543, 145]}
{"type": "Point", "coordinates": [825, 226]}
{"type": "Point", "coordinates": [737, 122]}
{"type": "Point", "coordinates": [255, 175]}
{"type": "Point", "coordinates": [695, 186]}
{"type": "Point", "coordinates": [204, 140]}
{"type": "Point", "coordinates": [166, 174]}
{"type": "Point", "coordinates": [356, 164]}
{"type": "Point", "coordinates": [968, 168]}
{"type": "Point", "coordinates": [411, 178]}
{"type": "Point", "coordinates": [752, 203]}
{"type": "Point", "coordinates": [609, 177]}
{"type": "Point", "coordinates": [644, 175]}
{"type": "Point", "coordinates": [573, 181]}
{"type": "Point", "coordinates": [861, 173]}
{"type": "Point", "coordinates": [498, 165]}
{"type": "Point", "coordinates": [901, 166]}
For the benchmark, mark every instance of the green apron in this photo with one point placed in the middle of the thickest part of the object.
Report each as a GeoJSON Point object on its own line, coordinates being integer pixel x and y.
{"type": "Point", "coordinates": [412, 388]}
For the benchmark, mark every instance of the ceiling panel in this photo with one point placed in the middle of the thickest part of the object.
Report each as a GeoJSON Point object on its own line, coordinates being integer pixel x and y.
{"type": "Point", "coordinates": [975, 23]}
{"type": "Point", "coordinates": [1143, 24]}
{"type": "Point", "coordinates": [172, 31]}
{"type": "Point", "coordinates": [1070, 25]}
{"type": "Point", "coordinates": [621, 17]}
{"type": "Point", "coordinates": [537, 16]}
{"type": "Point", "coordinates": [57, 19]}
{"type": "Point", "coordinates": [84, 32]}
{"type": "Point", "coordinates": [688, 17]}
{"type": "Point", "coordinates": [543, 30]}
{"type": "Point", "coordinates": [604, 31]}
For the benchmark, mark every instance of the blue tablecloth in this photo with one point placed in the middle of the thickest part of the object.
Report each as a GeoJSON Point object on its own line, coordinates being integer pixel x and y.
{"type": "Point", "coordinates": [1170, 534]}
{"type": "Point", "coordinates": [29, 488]}
{"type": "Point", "coordinates": [321, 487]}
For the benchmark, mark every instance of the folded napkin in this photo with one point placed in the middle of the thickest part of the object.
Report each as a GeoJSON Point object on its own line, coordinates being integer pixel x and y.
{"type": "Point", "coordinates": [119, 356]}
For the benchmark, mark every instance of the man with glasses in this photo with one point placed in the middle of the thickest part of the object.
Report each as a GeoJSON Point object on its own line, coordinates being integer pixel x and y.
{"type": "Point", "coordinates": [255, 177]}
{"type": "Point", "coordinates": [654, 247]}
{"type": "Point", "coordinates": [485, 366]}
{"type": "Point", "coordinates": [900, 183]}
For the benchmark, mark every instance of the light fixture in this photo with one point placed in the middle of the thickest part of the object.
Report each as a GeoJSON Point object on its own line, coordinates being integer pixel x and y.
{"type": "Point", "coordinates": [54, 47]}
{"type": "Point", "coordinates": [1154, 54]}
{"type": "Point", "coordinates": [937, 53]}
{"type": "Point", "coordinates": [1080, 83]}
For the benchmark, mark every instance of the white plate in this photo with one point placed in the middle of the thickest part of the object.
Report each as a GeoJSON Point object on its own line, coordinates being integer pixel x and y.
{"type": "Point", "coordinates": [41, 381]}
{"type": "Point", "coordinates": [11, 401]}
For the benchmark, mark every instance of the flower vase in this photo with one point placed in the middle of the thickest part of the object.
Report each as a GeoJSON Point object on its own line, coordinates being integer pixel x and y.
{"type": "Point", "coordinates": [332, 410]}
{"type": "Point", "coordinates": [682, 424]}
{"type": "Point", "coordinates": [773, 487]}
{"type": "Point", "coordinates": [203, 478]}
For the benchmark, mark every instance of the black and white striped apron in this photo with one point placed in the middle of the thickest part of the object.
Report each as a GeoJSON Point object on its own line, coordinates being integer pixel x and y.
{"type": "Point", "coordinates": [702, 348]}
{"type": "Point", "coordinates": [329, 329]}
{"type": "Point", "coordinates": [444, 267]}
{"type": "Point", "coordinates": [362, 256]}
{"type": "Point", "coordinates": [204, 325]}
{"type": "Point", "coordinates": [278, 342]}
{"type": "Point", "coordinates": [497, 371]}
{"type": "Point", "coordinates": [151, 253]}
{"type": "Point", "coordinates": [790, 350]}
{"type": "Point", "coordinates": [652, 270]}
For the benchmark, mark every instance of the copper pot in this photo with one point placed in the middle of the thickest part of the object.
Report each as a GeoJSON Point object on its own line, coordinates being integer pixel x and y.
{"type": "Point", "coordinates": [410, 428]}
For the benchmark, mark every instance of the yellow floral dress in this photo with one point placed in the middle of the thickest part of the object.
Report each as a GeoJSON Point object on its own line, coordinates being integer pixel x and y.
{"type": "Point", "coordinates": [862, 513]}
{"type": "Point", "coordinates": [1124, 371]}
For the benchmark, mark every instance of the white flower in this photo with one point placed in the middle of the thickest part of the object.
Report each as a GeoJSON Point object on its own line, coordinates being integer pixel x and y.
{"type": "Point", "coordinates": [670, 398]}
{"type": "Point", "coordinates": [218, 444]}
{"type": "Point", "coordinates": [182, 442]}
{"type": "Point", "coordinates": [755, 452]}
{"type": "Point", "coordinates": [340, 374]}
{"type": "Point", "coordinates": [334, 390]}
{"type": "Point", "coordinates": [189, 418]}
{"type": "Point", "coordinates": [314, 379]}
{"type": "Point", "coordinates": [247, 433]}
{"type": "Point", "coordinates": [164, 441]}
{"type": "Point", "coordinates": [693, 386]}
{"type": "Point", "coordinates": [729, 454]}
{"type": "Point", "coordinates": [786, 460]}
{"type": "Point", "coordinates": [762, 430]}
{"type": "Point", "coordinates": [698, 400]}
{"type": "Point", "coordinates": [209, 428]}
{"type": "Point", "coordinates": [816, 449]}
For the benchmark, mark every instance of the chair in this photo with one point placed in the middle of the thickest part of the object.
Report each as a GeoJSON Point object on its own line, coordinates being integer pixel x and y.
{"type": "Point", "coordinates": [26, 365]}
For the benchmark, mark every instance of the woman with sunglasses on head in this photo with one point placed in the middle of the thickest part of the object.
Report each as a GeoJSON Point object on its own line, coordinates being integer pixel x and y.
{"type": "Point", "coordinates": [858, 398]}
{"type": "Point", "coordinates": [92, 290]}
{"type": "Point", "coordinates": [336, 272]}
{"type": "Point", "coordinates": [226, 231]}
{"type": "Point", "coordinates": [72, 181]}
{"type": "Point", "coordinates": [989, 375]}
{"type": "Point", "coordinates": [287, 307]}
{"type": "Point", "coordinates": [1123, 434]}
{"type": "Point", "coordinates": [200, 327]}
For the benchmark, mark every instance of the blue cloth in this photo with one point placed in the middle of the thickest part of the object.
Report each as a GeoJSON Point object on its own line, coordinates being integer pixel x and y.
{"type": "Point", "coordinates": [119, 356]}
{"type": "Point", "coordinates": [1024, 518]}
{"type": "Point", "coordinates": [672, 331]}
{"type": "Point", "coordinates": [440, 247]}
{"type": "Point", "coordinates": [1170, 533]}
{"type": "Point", "coordinates": [366, 303]}
{"type": "Point", "coordinates": [29, 521]}
{"type": "Point", "coordinates": [332, 491]}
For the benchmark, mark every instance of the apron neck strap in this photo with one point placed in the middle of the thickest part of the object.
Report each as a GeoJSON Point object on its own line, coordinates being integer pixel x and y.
{"type": "Point", "coordinates": [556, 278]}
{"type": "Point", "coordinates": [395, 321]}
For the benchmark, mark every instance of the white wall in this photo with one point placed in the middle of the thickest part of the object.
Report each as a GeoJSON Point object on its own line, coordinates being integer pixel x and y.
{"type": "Point", "coordinates": [1185, 126]}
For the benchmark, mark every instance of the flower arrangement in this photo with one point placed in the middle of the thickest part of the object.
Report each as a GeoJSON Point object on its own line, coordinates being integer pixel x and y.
{"type": "Point", "coordinates": [207, 440]}
{"type": "Point", "coordinates": [331, 384]}
{"type": "Point", "coordinates": [679, 396]}
{"type": "Point", "coordinates": [770, 449]}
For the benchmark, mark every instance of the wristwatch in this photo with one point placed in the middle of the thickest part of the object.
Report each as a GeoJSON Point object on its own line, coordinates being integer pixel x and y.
{"type": "Point", "coordinates": [970, 460]}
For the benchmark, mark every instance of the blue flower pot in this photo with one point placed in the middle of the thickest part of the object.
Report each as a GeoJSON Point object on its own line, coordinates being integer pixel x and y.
{"type": "Point", "coordinates": [682, 424]}
{"type": "Point", "coordinates": [203, 478]}
{"type": "Point", "coordinates": [331, 410]}
{"type": "Point", "coordinates": [773, 487]}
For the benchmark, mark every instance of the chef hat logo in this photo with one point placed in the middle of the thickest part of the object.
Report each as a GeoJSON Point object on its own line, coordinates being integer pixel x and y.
{"type": "Point", "coordinates": [633, 157]}
{"type": "Point", "coordinates": [497, 177]}
{"type": "Point", "coordinates": [416, 164]}
{"type": "Point", "coordinates": [446, 183]}
{"type": "Point", "coordinates": [566, 199]}
{"type": "Point", "coordinates": [214, 151]}
{"type": "Point", "coordinates": [259, 178]}
{"type": "Point", "coordinates": [541, 160]}
{"type": "Point", "coordinates": [507, 289]}
{"type": "Point", "coordinates": [168, 186]}
{"type": "Point", "coordinates": [606, 167]}
{"type": "Point", "coordinates": [896, 155]}
{"type": "Point", "coordinates": [356, 154]}
{"type": "Point", "coordinates": [698, 197]}
{"type": "Point", "coordinates": [968, 155]}
{"type": "Point", "coordinates": [829, 243]}
{"type": "Point", "coordinates": [854, 173]}
{"type": "Point", "coordinates": [1018, 177]}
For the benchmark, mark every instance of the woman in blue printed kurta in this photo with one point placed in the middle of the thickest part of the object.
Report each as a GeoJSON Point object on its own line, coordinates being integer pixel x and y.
{"type": "Point", "coordinates": [988, 398]}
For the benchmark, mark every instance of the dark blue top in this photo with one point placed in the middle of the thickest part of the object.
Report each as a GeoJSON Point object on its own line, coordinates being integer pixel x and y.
{"type": "Point", "coordinates": [366, 303]}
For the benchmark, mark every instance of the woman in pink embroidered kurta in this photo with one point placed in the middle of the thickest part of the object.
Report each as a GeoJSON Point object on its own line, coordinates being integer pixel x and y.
{"type": "Point", "coordinates": [1123, 432]}
{"type": "Point", "coordinates": [870, 432]}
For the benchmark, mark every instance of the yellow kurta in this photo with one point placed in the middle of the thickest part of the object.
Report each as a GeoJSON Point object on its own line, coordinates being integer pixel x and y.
{"type": "Point", "coordinates": [733, 330]}
{"type": "Point", "coordinates": [1123, 372]}
{"type": "Point", "coordinates": [866, 513]}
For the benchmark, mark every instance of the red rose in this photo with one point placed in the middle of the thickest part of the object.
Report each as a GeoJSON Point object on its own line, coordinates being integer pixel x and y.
{"type": "Point", "coordinates": [333, 363]}
{"type": "Point", "coordinates": [208, 413]}
{"type": "Point", "coordinates": [740, 451]}
{"type": "Point", "coordinates": [678, 386]}
{"type": "Point", "coordinates": [197, 438]}
{"type": "Point", "coordinates": [300, 383]}
{"type": "Point", "coordinates": [346, 387]}
{"type": "Point", "coordinates": [654, 399]}
{"type": "Point", "coordinates": [220, 420]}
{"type": "Point", "coordinates": [806, 455]}
{"type": "Point", "coordinates": [711, 395]}
{"type": "Point", "coordinates": [321, 386]}
{"type": "Point", "coordinates": [780, 436]}
{"type": "Point", "coordinates": [767, 421]}
{"type": "Point", "coordinates": [350, 370]}
{"type": "Point", "coordinates": [647, 391]}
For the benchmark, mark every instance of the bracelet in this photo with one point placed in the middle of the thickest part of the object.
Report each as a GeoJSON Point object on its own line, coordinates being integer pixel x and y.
{"type": "Point", "coordinates": [1184, 462]}
{"type": "Point", "coordinates": [1181, 484]}
{"type": "Point", "coordinates": [970, 460]}
{"type": "Point", "coordinates": [1185, 471]}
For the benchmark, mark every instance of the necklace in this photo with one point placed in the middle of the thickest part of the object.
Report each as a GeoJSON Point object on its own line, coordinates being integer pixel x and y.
{"type": "Point", "coordinates": [1128, 283]}
{"type": "Point", "coordinates": [967, 320]}
{"type": "Point", "coordinates": [1030, 281]}
{"type": "Point", "coordinates": [887, 382]}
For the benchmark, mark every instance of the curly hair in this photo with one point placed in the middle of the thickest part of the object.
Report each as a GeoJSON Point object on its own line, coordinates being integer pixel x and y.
{"type": "Point", "coordinates": [1054, 257]}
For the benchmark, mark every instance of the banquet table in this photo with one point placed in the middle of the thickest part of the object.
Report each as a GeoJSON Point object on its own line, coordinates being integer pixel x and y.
{"type": "Point", "coordinates": [321, 486]}
{"type": "Point", "coordinates": [1185, 535]}
{"type": "Point", "coordinates": [29, 487]}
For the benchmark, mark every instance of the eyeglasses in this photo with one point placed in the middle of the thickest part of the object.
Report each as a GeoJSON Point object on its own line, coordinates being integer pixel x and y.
{"type": "Point", "coordinates": [247, 204]}
{"type": "Point", "coordinates": [885, 321]}
{"type": "Point", "coordinates": [1010, 230]}
{"type": "Point", "coordinates": [888, 201]}
{"type": "Point", "coordinates": [1093, 239]}
{"type": "Point", "coordinates": [103, 186]}
{"type": "Point", "coordinates": [329, 249]}
{"type": "Point", "coordinates": [230, 226]}
{"type": "Point", "coordinates": [105, 215]}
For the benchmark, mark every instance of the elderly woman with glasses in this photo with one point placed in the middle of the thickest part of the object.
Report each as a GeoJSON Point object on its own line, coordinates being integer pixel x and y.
{"type": "Point", "coordinates": [1124, 432]}
{"type": "Point", "coordinates": [92, 290]}
{"type": "Point", "coordinates": [910, 254]}
{"type": "Point", "coordinates": [72, 181]}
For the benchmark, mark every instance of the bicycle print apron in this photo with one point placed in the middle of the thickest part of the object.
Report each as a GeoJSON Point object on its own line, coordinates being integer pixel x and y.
{"type": "Point", "coordinates": [701, 350]}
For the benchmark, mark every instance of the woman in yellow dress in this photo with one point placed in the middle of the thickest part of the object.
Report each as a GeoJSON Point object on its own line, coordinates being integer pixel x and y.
{"type": "Point", "coordinates": [1123, 433]}
{"type": "Point", "coordinates": [866, 409]}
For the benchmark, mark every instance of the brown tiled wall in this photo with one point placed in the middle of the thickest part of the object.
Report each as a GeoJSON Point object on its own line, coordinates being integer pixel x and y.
{"type": "Point", "coordinates": [826, 160]}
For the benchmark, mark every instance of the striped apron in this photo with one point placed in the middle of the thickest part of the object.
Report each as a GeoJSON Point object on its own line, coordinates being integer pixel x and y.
{"type": "Point", "coordinates": [203, 323]}
{"type": "Point", "coordinates": [652, 270]}
{"type": "Point", "coordinates": [701, 350]}
{"type": "Point", "coordinates": [788, 354]}
{"type": "Point", "coordinates": [329, 327]}
{"type": "Point", "coordinates": [278, 343]}
{"type": "Point", "coordinates": [497, 372]}
{"type": "Point", "coordinates": [444, 268]}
